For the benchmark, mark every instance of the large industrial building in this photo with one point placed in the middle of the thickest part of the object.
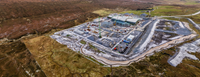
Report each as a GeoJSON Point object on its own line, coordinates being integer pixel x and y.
{"type": "Point", "coordinates": [125, 18]}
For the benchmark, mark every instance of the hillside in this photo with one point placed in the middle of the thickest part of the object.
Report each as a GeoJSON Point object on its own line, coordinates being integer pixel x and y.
{"type": "Point", "coordinates": [171, 2]}
{"type": "Point", "coordinates": [22, 17]}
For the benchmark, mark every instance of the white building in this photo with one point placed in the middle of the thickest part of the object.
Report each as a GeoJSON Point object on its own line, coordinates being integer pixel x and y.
{"type": "Point", "coordinates": [78, 32]}
{"type": "Point", "coordinates": [130, 37]}
{"type": "Point", "coordinates": [133, 20]}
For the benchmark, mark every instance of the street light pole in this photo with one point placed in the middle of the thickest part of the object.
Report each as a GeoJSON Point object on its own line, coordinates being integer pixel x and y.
{"type": "Point", "coordinates": [111, 71]}
{"type": "Point", "coordinates": [99, 28]}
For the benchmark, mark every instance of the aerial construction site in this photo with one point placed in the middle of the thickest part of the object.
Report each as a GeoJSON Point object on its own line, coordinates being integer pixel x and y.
{"type": "Point", "coordinates": [120, 39]}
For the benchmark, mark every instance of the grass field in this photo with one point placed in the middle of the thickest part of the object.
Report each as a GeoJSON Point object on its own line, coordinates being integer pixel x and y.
{"type": "Point", "coordinates": [158, 11]}
{"type": "Point", "coordinates": [59, 61]}
{"type": "Point", "coordinates": [166, 11]}
{"type": "Point", "coordinates": [82, 42]}
{"type": "Point", "coordinates": [191, 3]}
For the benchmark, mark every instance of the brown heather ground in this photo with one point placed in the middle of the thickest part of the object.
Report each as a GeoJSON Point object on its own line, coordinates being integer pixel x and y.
{"type": "Point", "coordinates": [27, 17]}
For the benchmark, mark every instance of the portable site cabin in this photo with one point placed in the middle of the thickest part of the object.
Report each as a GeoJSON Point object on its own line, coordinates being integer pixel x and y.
{"type": "Point", "coordinates": [78, 32]}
